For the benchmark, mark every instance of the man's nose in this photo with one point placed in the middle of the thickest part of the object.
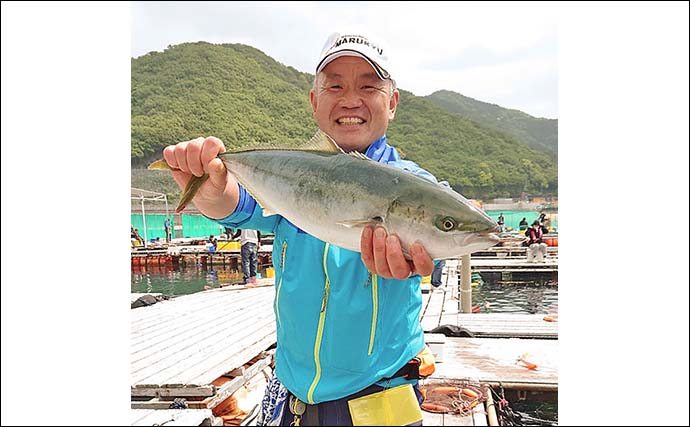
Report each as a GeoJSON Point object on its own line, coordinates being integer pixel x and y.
{"type": "Point", "coordinates": [350, 99]}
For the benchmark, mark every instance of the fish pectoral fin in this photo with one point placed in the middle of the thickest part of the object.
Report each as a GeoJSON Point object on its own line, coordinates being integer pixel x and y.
{"type": "Point", "coordinates": [351, 223]}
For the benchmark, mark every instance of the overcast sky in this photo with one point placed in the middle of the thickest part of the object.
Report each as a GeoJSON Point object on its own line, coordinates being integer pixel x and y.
{"type": "Point", "coordinates": [499, 53]}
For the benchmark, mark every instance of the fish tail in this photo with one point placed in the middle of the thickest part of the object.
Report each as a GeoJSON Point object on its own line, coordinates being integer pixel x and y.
{"type": "Point", "coordinates": [190, 191]}
{"type": "Point", "coordinates": [159, 165]}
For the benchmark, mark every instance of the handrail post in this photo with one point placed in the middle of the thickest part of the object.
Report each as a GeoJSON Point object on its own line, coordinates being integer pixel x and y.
{"type": "Point", "coordinates": [465, 285]}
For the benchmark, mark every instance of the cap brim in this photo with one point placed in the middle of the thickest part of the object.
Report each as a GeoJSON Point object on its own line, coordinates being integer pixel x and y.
{"type": "Point", "coordinates": [383, 74]}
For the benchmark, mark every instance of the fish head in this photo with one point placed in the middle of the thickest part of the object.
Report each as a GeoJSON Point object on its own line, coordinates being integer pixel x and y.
{"type": "Point", "coordinates": [448, 225]}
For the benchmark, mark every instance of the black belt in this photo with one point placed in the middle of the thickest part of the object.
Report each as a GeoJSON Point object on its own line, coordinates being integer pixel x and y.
{"type": "Point", "coordinates": [410, 371]}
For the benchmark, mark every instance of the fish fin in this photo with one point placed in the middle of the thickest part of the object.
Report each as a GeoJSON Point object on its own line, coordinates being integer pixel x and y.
{"type": "Point", "coordinates": [350, 223]}
{"type": "Point", "coordinates": [159, 165]}
{"type": "Point", "coordinates": [320, 142]}
{"type": "Point", "coordinates": [190, 191]}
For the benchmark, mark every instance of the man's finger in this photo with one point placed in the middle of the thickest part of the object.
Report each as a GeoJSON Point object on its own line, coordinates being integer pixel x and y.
{"type": "Point", "coordinates": [380, 260]}
{"type": "Point", "coordinates": [423, 263]}
{"type": "Point", "coordinates": [367, 248]}
{"type": "Point", "coordinates": [397, 263]}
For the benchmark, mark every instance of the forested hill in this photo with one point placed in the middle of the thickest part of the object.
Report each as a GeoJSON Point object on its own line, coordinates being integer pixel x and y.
{"type": "Point", "coordinates": [538, 133]}
{"type": "Point", "coordinates": [244, 97]}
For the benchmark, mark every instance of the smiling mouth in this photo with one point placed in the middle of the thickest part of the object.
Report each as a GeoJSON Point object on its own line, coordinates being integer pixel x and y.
{"type": "Point", "coordinates": [349, 121]}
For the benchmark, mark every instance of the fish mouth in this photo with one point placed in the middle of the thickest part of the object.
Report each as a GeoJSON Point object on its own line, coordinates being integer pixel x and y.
{"type": "Point", "coordinates": [484, 238]}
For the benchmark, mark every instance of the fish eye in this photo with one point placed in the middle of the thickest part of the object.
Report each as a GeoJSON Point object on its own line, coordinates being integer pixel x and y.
{"type": "Point", "coordinates": [446, 224]}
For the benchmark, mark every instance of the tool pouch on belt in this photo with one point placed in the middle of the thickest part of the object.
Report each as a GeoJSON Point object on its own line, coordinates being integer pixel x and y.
{"type": "Point", "coordinates": [396, 406]}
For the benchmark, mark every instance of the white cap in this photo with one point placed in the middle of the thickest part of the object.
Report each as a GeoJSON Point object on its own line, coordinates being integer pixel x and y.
{"type": "Point", "coordinates": [375, 52]}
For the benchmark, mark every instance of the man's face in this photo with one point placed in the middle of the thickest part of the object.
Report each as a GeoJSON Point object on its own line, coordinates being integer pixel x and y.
{"type": "Point", "coordinates": [352, 104]}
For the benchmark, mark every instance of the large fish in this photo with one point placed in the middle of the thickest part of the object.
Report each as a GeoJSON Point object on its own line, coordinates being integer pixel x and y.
{"type": "Point", "coordinates": [332, 195]}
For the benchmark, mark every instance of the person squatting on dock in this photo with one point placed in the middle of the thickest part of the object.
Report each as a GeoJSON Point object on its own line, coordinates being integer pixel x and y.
{"type": "Point", "coordinates": [536, 247]}
{"type": "Point", "coordinates": [350, 344]}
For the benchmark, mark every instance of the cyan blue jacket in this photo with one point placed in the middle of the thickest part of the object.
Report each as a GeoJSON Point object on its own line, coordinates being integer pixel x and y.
{"type": "Point", "coordinates": [339, 328]}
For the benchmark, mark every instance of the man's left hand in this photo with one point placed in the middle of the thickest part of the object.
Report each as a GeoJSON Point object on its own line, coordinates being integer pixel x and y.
{"type": "Point", "coordinates": [382, 254]}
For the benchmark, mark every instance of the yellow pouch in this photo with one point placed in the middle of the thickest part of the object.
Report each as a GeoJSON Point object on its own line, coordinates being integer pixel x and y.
{"type": "Point", "coordinates": [397, 406]}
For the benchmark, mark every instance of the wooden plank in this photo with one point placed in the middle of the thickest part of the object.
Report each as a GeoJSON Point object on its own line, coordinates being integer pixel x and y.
{"type": "Point", "coordinates": [227, 389]}
{"type": "Point", "coordinates": [508, 325]}
{"type": "Point", "coordinates": [170, 417]}
{"type": "Point", "coordinates": [208, 327]}
{"type": "Point", "coordinates": [198, 361]}
{"type": "Point", "coordinates": [176, 309]}
{"type": "Point", "coordinates": [476, 418]}
{"type": "Point", "coordinates": [214, 341]}
{"type": "Point", "coordinates": [505, 264]}
{"type": "Point", "coordinates": [181, 346]}
{"type": "Point", "coordinates": [493, 360]}
{"type": "Point", "coordinates": [202, 326]}
{"type": "Point", "coordinates": [196, 391]}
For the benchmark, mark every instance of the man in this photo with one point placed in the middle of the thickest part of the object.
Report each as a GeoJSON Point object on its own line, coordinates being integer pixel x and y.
{"type": "Point", "coordinates": [523, 224]}
{"type": "Point", "coordinates": [501, 223]}
{"type": "Point", "coordinates": [437, 274]}
{"type": "Point", "coordinates": [166, 224]}
{"type": "Point", "coordinates": [250, 241]}
{"type": "Point", "coordinates": [347, 323]}
{"type": "Point", "coordinates": [536, 246]}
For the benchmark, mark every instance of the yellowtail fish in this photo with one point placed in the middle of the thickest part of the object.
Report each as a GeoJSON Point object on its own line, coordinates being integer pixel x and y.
{"type": "Point", "coordinates": [332, 195]}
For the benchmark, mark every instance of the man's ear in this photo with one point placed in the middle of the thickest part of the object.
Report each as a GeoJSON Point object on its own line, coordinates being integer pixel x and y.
{"type": "Point", "coordinates": [313, 100]}
{"type": "Point", "coordinates": [393, 105]}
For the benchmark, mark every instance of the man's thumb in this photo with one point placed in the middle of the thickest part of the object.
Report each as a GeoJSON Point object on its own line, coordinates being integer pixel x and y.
{"type": "Point", "coordinates": [218, 174]}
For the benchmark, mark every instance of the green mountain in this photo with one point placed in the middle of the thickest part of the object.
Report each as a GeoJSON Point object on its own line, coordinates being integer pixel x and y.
{"type": "Point", "coordinates": [244, 97]}
{"type": "Point", "coordinates": [538, 133]}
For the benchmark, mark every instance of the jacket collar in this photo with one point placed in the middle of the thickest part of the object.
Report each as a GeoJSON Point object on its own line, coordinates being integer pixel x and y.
{"type": "Point", "coordinates": [381, 152]}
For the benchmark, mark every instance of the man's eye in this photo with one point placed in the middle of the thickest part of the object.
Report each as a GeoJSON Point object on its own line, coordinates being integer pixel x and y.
{"type": "Point", "coordinates": [336, 87]}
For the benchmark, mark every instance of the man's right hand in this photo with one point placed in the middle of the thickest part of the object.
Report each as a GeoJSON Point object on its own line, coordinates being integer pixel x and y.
{"type": "Point", "coordinates": [218, 196]}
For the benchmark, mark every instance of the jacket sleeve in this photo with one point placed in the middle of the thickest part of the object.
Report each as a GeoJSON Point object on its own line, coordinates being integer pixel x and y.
{"type": "Point", "coordinates": [248, 214]}
{"type": "Point", "coordinates": [414, 168]}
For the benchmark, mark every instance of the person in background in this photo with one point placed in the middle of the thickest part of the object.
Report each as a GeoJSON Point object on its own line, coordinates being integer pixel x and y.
{"type": "Point", "coordinates": [524, 224]}
{"type": "Point", "coordinates": [213, 243]}
{"type": "Point", "coordinates": [501, 223]}
{"type": "Point", "coordinates": [437, 274]}
{"type": "Point", "coordinates": [250, 242]}
{"type": "Point", "coordinates": [168, 229]}
{"type": "Point", "coordinates": [136, 237]}
{"type": "Point", "coordinates": [536, 248]}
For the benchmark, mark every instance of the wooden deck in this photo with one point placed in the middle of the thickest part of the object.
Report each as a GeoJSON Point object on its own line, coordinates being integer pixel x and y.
{"type": "Point", "coordinates": [179, 346]}
{"type": "Point", "coordinates": [441, 308]}
{"type": "Point", "coordinates": [477, 418]}
{"type": "Point", "coordinates": [511, 251]}
{"type": "Point", "coordinates": [171, 417]}
{"type": "Point", "coordinates": [513, 264]}
{"type": "Point", "coordinates": [493, 361]}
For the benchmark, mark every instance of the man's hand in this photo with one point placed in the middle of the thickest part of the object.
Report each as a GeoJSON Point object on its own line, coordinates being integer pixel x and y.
{"type": "Point", "coordinates": [383, 255]}
{"type": "Point", "coordinates": [219, 195]}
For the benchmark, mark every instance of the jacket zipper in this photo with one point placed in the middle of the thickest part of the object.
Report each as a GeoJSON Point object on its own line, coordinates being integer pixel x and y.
{"type": "Point", "coordinates": [280, 284]}
{"type": "Point", "coordinates": [319, 331]}
{"type": "Point", "coordinates": [375, 311]}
